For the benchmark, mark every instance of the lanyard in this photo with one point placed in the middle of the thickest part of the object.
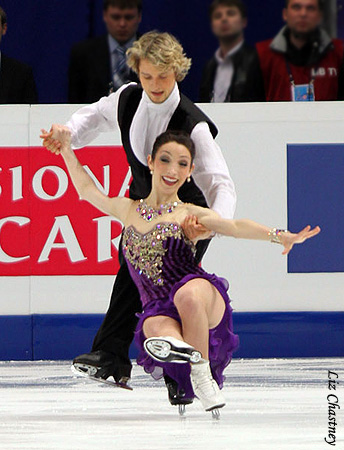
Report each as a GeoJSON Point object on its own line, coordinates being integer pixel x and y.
{"type": "Point", "coordinates": [291, 78]}
{"type": "Point", "coordinates": [310, 89]}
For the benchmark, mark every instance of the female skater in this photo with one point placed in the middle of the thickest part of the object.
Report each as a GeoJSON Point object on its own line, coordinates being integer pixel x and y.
{"type": "Point", "coordinates": [141, 112]}
{"type": "Point", "coordinates": [192, 325]}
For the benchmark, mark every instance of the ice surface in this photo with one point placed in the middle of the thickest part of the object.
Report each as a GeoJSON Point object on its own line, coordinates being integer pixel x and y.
{"type": "Point", "coordinates": [271, 404]}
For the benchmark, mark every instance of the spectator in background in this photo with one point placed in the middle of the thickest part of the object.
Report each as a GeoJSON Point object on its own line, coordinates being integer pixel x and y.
{"type": "Point", "coordinates": [17, 84]}
{"type": "Point", "coordinates": [98, 65]}
{"type": "Point", "coordinates": [302, 63]}
{"type": "Point", "coordinates": [233, 73]}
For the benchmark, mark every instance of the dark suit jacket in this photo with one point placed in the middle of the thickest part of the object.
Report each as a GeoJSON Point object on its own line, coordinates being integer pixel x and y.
{"type": "Point", "coordinates": [90, 71]}
{"type": "Point", "coordinates": [17, 84]}
{"type": "Point", "coordinates": [247, 83]}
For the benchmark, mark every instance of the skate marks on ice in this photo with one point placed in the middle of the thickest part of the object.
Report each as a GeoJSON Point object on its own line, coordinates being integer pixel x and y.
{"type": "Point", "coordinates": [271, 404]}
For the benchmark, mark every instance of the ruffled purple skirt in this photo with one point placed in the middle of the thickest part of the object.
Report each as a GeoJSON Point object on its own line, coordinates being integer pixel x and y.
{"type": "Point", "coordinates": [222, 341]}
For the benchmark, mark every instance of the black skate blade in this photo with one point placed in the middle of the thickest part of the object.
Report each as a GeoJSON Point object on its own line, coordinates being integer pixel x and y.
{"type": "Point", "coordinates": [87, 371]}
{"type": "Point", "coordinates": [214, 408]}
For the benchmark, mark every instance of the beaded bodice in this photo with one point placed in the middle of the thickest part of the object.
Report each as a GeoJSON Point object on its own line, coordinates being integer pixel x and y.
{"type": "Point", "coordinates": [158, 259]}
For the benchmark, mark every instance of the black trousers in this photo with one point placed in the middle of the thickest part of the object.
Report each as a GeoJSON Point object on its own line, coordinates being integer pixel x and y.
{"type": "Point", "coordinates": [117, 330]}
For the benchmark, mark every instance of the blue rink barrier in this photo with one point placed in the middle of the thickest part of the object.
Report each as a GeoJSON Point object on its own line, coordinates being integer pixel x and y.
{"type": "Point", "coordinates": [262, 335]}
{"type": "Point", "coordinates": [316, 171]}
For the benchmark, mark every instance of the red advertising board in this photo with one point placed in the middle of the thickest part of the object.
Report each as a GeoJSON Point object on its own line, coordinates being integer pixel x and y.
{"type": "Point", "coordinates": [45, 228]}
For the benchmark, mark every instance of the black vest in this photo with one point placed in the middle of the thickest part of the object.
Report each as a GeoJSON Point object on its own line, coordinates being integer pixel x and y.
{"type": "Point", "coordinates": [186, 116]}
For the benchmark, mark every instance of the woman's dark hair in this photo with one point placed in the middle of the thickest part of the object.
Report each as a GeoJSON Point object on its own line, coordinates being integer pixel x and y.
{"type": "Point", "coordinates": [180, 137]}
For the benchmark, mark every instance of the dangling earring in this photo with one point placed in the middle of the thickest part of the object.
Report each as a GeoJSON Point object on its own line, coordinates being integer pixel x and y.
{"type": "Point", "coordinates": [188, 179]}
{"type": "Point", "coordinates": [151, 172]}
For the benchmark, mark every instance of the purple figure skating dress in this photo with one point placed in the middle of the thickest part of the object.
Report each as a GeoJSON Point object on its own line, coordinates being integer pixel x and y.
{"type": "Point", "coordinates": [160, 262]}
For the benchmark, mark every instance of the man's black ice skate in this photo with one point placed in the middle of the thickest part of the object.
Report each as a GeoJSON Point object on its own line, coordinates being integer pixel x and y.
{"type": "Point", "coordinates": [170, 349]}
{"type": "Point", "coordinates": [176, 395]}
{"type": "Point", "coordinates": [99, 366]}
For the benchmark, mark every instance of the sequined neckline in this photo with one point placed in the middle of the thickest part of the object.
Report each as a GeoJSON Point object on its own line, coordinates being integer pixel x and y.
{"type": "Point", "coordinates": [158, 226]}
{"type": "Point", "coordinates": [148, 213]}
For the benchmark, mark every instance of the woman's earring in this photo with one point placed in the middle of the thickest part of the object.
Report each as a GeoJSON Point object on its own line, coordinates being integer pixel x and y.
{"type": "Point", "coordinates": [151, 172]}
{"type": "Point", "coordinates": [188, 179]}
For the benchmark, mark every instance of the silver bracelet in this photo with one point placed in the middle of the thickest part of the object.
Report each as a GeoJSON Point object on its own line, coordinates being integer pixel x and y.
{"type": "Point", "coordinates": [275, 235]}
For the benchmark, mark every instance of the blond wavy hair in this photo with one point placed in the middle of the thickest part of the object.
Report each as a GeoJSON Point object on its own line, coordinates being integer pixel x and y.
{"type": "Point", "coordinates": [162, 50]}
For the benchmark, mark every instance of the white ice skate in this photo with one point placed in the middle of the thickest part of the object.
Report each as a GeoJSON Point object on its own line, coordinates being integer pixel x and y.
{"type": "Point", "coordinates": [170, 349]}
{"type": "Point", "coordinates": [206, 388]}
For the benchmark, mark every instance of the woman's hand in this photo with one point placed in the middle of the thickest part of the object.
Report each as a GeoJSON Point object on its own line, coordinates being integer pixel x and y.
{"type": "Point", "coordinates": [58, 136]}
{"type": "Point", "coordinates": [194, 230]}
{"type": "Point", "coordinates": [289, 239]}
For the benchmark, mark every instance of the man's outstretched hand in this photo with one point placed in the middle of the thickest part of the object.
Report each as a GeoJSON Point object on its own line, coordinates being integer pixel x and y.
{"type": "Point", "coordinates": [194, 230]}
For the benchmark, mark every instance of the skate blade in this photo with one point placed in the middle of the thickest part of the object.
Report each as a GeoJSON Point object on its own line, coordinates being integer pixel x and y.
{"type": "Point", "coordinates": [87, 371]}
{"type": "Point", "coordinates": [216, 408]}
{"type": "Point", "coordinates": [164, 351]}
{"type": "Point", "coordinates": [215, 414]}
{"type": "Point", "coordinates": [84, 370]}
{"type": "Point", "coordinates": [182, 410]}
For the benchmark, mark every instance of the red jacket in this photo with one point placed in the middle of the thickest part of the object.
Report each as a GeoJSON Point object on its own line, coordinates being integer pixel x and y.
{"type": "Point", "coordinates": [276, 77]}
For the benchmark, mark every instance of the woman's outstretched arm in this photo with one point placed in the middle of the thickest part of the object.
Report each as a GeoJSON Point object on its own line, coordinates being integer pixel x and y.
{"type": "Point", "coordinates": [85, 186]}
{"type": "Point", "coordinates": [248, 229]}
